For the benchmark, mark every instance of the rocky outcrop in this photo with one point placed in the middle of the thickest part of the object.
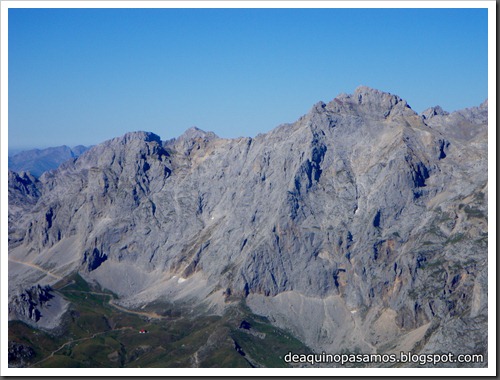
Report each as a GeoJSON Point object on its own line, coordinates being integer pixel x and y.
{"type": "Point", "coordinates": [19, 354]}
{"type": "Point", "coordinates": [24, 304]}
{"type": "Point", "coordinates": [37, 306]}
{"type": "Point", "coordinates": [363, 225]}
{"type": "Point", "coordinates": [24, 191]}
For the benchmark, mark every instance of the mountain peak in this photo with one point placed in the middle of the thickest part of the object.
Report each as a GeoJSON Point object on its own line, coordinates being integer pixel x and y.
{"type": "Point", "coordinates": [367, 100]}
{"type": "Point", "coordinates": [372, 97]}
{"type": "Point", "coordinates": [139, 135]}
{"type": "Point", "coordinates": [195, 133]}
{"type": "Point", "coordinates": [303, 225]}
{"type": "Point", "coordinates": [434, 111]}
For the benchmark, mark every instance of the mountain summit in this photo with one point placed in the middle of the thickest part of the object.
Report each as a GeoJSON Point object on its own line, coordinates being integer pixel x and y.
{"type": "Point", "coordinates": [360, 227]}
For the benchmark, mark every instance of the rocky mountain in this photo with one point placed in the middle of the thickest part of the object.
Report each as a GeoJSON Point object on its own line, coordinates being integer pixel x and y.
{"type": "Point", "coordinates": [361, 227]}
{"type": "Point", "coordinates": [30, 304]}
{"type": "Point", "coordinates": [38, 161]}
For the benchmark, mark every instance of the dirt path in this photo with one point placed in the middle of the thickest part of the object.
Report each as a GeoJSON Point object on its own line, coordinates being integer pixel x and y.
{"type": "Point", "coordinates": [151, 315]}
{"type": "Point", "coordinates": [34, 266]}
{"type": "Point", "coordinates": [78, 340]}
{"type": "Point", "coordinates": [111, 303]}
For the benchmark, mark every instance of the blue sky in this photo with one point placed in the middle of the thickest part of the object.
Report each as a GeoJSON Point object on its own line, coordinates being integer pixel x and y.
{"type": "Point", "coordinates": [81, 76]}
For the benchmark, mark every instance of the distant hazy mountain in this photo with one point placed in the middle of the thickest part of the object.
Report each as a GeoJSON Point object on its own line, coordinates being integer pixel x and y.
{"type": "Point", "coordinates": [361, 227]}
{"type": "Point", "coordinates": [38, 161]}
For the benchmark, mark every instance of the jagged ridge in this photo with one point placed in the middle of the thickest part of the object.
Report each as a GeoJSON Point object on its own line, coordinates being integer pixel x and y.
{"type": "Point", "coordinates": [346, 207]}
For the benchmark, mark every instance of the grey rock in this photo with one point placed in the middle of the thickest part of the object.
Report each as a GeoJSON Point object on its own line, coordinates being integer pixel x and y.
{"type": "Point", "coordinates": [433, 111]}
{"type": "Point", "coordinates": [37, 306]}
{"type": "Point", "coordinates": [23, 191]}
{"type": "Point", "coordinates": [363, 225]}
{"type": "Point", "coordinates": [19, 354]}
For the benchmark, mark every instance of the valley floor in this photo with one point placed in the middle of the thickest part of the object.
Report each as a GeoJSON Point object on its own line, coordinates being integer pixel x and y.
{"type": "Point", "coordinates": [99, 333]}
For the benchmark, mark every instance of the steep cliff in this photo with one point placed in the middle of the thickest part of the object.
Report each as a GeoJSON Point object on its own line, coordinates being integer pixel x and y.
{"type": "Point", "coordinates": [360, 227]}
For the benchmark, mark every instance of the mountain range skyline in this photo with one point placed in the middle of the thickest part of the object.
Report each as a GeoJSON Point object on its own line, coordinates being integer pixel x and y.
{"type": "Point", "coordinates": [202, 187]}
{"type": "Point", "coordinates": [81, 76]}
{"type": "Point", "coordinates": [362, 226]}
{"type": "Point", "coordinates": [35, 148]}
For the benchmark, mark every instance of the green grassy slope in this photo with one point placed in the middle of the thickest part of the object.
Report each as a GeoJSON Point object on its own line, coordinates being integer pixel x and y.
{"type": "Point", "coordinates": [96, 334]}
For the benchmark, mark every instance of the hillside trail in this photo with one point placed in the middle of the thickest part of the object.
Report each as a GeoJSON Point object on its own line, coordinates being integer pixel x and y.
{"type": "Point", "coordinates": [151, 315]}
{"type": "Point", "coordinates": [147, 314]}
{"type": "Point", "coordinates": [76, 341]}
{"type": "Point", "coordinates": [34, 266]}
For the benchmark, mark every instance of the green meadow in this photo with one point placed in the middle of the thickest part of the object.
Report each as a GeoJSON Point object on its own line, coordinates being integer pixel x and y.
{"type": "Point", "coordinates": [95, 334]}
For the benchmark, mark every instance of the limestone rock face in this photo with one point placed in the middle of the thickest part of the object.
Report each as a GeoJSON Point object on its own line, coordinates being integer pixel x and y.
{"type": "Point", "coordinates": [37, 306]}
{"type": "Point", "coordinates": [24, 191]}
{"type": "Point", "coordinates": [362, 225]}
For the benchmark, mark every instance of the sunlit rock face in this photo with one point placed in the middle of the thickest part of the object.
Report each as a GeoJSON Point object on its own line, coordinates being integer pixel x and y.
{"type": "Point", "coordinates": [361, 226]}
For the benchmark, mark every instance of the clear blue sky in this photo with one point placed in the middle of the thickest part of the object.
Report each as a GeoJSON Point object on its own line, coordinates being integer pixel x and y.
{"type": "Point", "coordinates": [81, 76]}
